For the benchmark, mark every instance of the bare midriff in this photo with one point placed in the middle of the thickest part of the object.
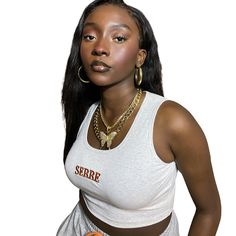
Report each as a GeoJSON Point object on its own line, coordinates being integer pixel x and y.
{"type": "Point", "coordinates": [151, 230]}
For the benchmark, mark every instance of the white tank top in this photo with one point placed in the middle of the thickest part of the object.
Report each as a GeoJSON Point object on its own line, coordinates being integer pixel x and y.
{"type": "Point", "coordinates": [128, 186]}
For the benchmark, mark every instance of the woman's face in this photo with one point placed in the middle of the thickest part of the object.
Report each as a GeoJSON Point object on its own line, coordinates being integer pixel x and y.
{"type": "Point", "coordinates": [110, 46]}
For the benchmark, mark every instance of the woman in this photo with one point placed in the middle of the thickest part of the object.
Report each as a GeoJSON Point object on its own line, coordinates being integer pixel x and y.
{"type": "Point", "coordinates": [124, 140]}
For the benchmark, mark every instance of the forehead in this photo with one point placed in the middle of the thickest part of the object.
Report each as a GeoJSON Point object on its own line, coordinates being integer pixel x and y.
{"type": "Point", "coordinates": [106, 15]}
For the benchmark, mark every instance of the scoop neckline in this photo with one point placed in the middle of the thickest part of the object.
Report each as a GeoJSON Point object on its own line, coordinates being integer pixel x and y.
{"type": "Point", "coordinates": [124, 141]}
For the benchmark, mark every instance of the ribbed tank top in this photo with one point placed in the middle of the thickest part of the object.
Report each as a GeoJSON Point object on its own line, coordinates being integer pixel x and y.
{"type": "Point", "coordinates": [128, 186]}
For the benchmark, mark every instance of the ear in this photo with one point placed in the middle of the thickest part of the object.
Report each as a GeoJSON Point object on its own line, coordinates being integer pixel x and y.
{"type": "Point", "coordinates": [141, 56]}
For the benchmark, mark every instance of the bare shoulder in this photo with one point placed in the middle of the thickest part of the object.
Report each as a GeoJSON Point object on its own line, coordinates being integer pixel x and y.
{"type": "Point", "coordinates": [176, 118]}
{"type": "Point", "coordinates": [188, 144]}
{"type": "Point", "coordinates": [180, 130]}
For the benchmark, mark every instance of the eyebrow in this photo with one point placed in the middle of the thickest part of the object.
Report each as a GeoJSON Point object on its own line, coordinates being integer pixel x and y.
{"type": "Point", "coordinates": [114, 26]}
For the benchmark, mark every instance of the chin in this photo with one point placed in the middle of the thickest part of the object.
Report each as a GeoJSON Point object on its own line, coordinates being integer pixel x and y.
{"type": "Point", "coordinates": [101, 80]}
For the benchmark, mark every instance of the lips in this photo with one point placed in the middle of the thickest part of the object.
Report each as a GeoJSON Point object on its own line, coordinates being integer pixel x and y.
{"type": "Point", "coordinates": [100, 66]}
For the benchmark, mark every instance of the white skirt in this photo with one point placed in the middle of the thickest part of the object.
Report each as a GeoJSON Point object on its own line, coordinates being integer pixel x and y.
{"type": "Point", "coordinates": [78, 224]}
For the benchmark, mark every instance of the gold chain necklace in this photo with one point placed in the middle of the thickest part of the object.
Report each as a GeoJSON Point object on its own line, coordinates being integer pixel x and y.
{"type": "Point", "coordinates": [110, 127]}
{"type": "Point", "coordinates": [107, 138]}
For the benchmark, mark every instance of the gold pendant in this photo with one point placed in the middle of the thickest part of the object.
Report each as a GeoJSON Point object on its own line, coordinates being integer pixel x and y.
{"type": "Point", "coordinates": [108, 129]}
{"type": "Point", "coordinates": [107, 138]}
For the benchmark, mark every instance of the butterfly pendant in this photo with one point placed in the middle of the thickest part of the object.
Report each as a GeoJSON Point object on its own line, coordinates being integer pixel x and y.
{"type": "Point", "coordinates": [107, 138]}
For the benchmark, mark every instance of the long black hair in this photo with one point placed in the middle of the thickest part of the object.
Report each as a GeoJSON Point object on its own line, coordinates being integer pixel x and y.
{"type": "Point", "coordinates": [77, 97]}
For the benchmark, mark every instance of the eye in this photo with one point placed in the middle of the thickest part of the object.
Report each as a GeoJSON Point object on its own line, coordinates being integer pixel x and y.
{"type": "Point", "coordinates": [120, 39]}
{"type": "Point", "coordinates": [88, 37]}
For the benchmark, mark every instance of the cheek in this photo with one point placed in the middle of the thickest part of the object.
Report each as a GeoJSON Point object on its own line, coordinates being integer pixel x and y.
{"type": "Point", "coordinates": [86, 58]}
{"type": "Point", "coordinates": [83, 53]}
{"type": "Point", "coordinates": [125, 57]}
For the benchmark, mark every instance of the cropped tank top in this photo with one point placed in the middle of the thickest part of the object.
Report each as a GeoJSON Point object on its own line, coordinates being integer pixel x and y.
{"type": "Point", "coordinates": [128, 186]}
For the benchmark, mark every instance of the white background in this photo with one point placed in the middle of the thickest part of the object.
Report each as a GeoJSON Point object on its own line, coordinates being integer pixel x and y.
{"type": "Point", "coordinates": [197, 49]}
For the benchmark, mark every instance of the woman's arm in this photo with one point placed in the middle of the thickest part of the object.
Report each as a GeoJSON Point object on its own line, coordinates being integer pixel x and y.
{"type": "Point", "coordinates": [190, 151]}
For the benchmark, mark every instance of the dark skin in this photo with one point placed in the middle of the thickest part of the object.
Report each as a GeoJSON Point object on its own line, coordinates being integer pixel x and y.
{"type": "Point", "coordinates": [111, 35]}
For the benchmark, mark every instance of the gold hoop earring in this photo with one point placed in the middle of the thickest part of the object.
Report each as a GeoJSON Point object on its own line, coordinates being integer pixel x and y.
{"type": "Point", "coordinates": [138, 76]}
{"type": "Point", "coordinates": [80, 78]}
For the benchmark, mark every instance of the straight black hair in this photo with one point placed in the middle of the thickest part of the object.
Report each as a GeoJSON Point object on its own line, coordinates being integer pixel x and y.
{"type": "Point", "coordinates": [77, 96]}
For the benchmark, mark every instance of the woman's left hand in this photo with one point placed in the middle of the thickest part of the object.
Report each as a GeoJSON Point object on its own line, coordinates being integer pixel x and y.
{"type": "Point", "coordinates": [94, 234]}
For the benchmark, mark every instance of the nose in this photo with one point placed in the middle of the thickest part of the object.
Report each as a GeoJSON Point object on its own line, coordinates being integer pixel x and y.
{"type": "Point", "coordinates": [101, 49]}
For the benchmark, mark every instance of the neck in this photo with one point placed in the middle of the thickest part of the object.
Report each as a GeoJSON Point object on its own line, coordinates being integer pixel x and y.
{"type": "Point", "coordinates": [114, 103]}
